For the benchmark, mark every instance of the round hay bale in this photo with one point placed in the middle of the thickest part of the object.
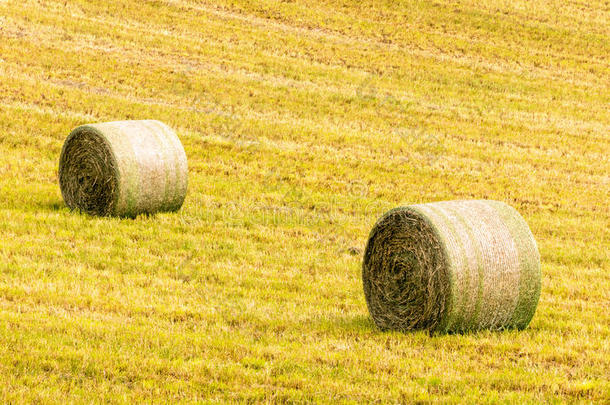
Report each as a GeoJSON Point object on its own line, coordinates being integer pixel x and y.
{"type": "Point", "coordinates": [451, 266]}
{"type": "Point", "coordinates": [123, 168]}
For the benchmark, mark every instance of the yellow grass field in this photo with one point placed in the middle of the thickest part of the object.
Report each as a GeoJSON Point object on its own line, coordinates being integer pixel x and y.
{"type": "Point", "coordinates": [302, 122]}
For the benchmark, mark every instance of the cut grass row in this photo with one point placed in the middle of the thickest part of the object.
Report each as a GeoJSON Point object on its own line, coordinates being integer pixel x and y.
{"type": "Point", "coordinates": [291, 115]}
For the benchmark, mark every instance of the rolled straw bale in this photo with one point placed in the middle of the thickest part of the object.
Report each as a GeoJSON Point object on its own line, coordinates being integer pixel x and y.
{"type": "Point", "coordinates": [451, 266]}
{"type": "Point", "coordinates": [123, 168]}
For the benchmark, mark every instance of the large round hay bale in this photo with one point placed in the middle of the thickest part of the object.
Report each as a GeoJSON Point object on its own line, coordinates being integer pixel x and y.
{"type": "Point", "coordinates": [123, 168]}
{"type": "Point", "coordinates": [451, 266]}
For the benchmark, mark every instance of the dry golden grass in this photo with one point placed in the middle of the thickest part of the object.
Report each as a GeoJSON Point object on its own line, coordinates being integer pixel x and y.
{"type": "Point", "coordinates": [302, 122]}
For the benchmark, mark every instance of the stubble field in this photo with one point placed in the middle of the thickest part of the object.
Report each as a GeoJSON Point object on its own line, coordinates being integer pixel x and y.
{"type": "Point", "coordinates": [302, 122]}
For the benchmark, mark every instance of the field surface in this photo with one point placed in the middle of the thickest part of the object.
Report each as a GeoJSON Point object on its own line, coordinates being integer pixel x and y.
{"type": "Point", "coordinates": [302, 123]}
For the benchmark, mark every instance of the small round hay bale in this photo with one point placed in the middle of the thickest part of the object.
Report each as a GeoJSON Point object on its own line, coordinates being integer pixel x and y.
{"type": "Point", "coordinates": [123, 168]}
{"type": "Point", "coordinates": [451, 266]}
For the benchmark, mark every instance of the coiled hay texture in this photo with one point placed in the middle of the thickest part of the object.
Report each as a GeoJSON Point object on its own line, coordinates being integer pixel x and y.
{"type": "Point", "coordinates": [451, 266]}
{"type": "Point", "coordinates": [123, 168]}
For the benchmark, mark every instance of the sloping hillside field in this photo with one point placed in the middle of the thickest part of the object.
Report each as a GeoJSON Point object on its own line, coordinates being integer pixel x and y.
{"type": "Point", "coordinates": [303, 122]}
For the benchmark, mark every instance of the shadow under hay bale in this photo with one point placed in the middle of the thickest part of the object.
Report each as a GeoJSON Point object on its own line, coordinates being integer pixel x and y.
{"type": "Point", "coordinates": [123, 168]}
{"type": "Point", "coordinates": [451, 266]}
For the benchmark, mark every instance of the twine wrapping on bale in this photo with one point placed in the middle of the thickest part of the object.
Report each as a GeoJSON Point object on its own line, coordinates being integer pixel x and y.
{"type": "Point", "coordinates": [451, 266]}
{"type": "Point", "coordinates": [123, 168]}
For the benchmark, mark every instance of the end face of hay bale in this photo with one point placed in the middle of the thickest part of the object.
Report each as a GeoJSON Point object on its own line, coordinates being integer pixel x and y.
{"type": "Point", "coordinates": [123, 168]}
{"type": "Point", "coordinates": [88, 172]}
{"type": "Point", "coordinates": [452, 266]}
{"type": "Point", "coordinates": [404, 273]}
